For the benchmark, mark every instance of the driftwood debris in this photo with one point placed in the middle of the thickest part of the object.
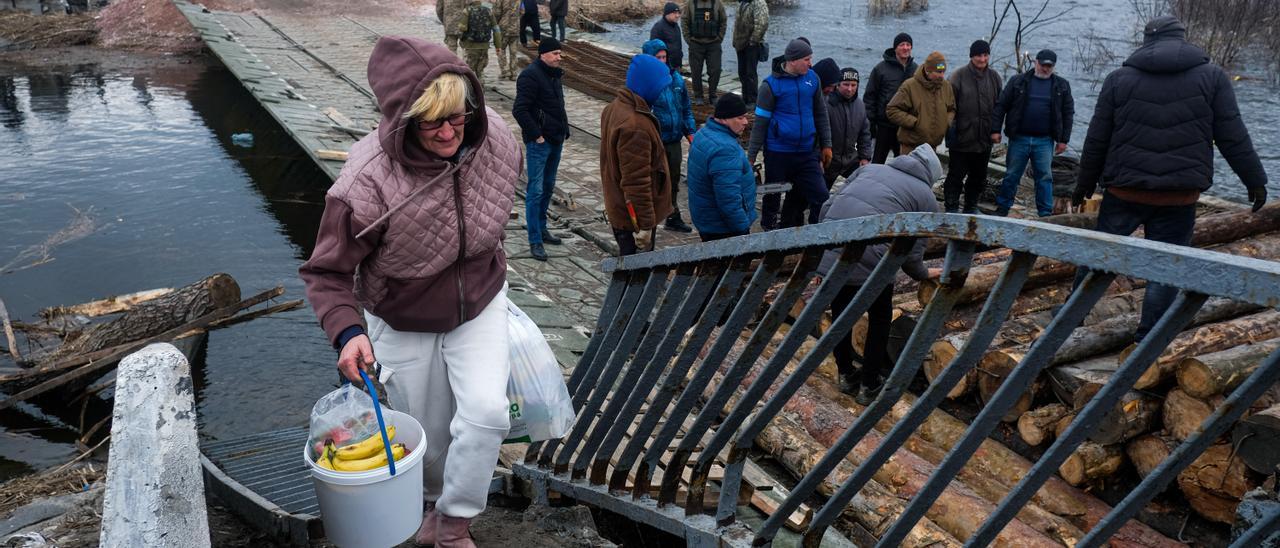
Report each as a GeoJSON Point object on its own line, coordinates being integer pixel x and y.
{"type": "Point", "coordinates": [165, 318]}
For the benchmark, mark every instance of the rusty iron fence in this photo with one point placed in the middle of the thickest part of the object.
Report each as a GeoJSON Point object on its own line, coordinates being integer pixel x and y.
{"type": "Point", "coordinates": [646, 402]}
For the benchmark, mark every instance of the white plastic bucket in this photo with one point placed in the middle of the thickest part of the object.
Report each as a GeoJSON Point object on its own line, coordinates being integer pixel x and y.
{"type": "Point", "coordinates": [373, 509]}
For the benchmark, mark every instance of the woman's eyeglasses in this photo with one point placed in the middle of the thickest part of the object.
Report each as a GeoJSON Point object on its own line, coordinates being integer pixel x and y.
{"type": "Point", "coordinates": [457, 120]}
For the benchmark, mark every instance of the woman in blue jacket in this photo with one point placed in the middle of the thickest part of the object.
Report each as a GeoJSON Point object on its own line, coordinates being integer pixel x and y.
{"type": "Point", "coordinates": [722, 186]}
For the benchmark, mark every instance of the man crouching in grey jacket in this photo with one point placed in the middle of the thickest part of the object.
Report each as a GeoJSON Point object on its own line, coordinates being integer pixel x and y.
{"type": "Point", "coordinates": [903, 185]}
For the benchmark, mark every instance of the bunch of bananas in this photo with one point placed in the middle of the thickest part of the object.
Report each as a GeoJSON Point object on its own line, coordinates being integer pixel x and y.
{"type": "Point", "coordinates": [367, 454]}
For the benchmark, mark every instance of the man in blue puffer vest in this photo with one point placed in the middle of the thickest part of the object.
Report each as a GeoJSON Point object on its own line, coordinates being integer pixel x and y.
{"type": "Point", "coordinates": [793, 129]}
{"type": "Point", "coordinates": [722, 186]}
{"type": "Point", "coordinates": [675, 124]}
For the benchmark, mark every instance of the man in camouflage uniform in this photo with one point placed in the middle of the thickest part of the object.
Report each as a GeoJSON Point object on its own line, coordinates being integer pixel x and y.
{"type": "Point", "coordinates": [507, 13]}
{"type": "Point", "coordinates": [451, 14]}
{"type": "Point", "coordinates": [479, 27]}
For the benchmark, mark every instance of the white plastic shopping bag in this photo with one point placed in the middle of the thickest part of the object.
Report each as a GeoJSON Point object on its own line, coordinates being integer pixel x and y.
{"type": "Point", "coordinates": [541, 408]}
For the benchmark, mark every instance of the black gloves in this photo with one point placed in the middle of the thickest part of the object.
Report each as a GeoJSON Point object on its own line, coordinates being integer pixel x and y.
{"type": "Point", "coordinates": [1081, 193]}
{"type": "Point", "coordinates": [1257, 195]}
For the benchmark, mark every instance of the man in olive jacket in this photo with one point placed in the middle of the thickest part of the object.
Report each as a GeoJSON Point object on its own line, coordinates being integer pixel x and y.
{"type": "Point", "coordinates": [976, 88]}
{"type": "Point", "coordinates": [704, 32]}
{"type": "Point", "coordinates": [748, 41]}
{"type": "Point", "coordinates": [924, 106]}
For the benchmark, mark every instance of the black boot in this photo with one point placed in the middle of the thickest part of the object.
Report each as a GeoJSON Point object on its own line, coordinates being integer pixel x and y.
{"type": "Point", "coordinates": [550, 239]}
{"type": "Point", "coordinates": [676, 223]}
{"type": "Point", "coordinates": [537, 251]}
{"type": "Point", "coordinates": [867, 394]}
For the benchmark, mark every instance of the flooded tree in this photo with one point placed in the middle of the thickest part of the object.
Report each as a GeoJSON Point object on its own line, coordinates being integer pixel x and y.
{"type": "Point", "coordinates": [877, 8]}
{"type": "Point", "coordinates": [1024, 18]}
{"type": "Point", "coordinates": [1224, 28]}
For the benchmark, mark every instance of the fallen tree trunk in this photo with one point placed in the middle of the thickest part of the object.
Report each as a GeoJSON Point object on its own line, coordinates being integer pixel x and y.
{"type": "Point", "coordinates": [109, 305]}
{"type": "Point", "coordinates": [1257, 440]}
{"type": "Point", "coordinates": [1209, 230]}
{"type": "Point", "coordinates": [1221, 372]}
{"type": "Point", "coordinates": [1105, 336]}
{"type": "Point", "coordinates": [906, 473]}
{"type": "Point", "coordinates": [1091, 461]}
{"type": "Point", "coordinates": [1037, 425]}
{"type": "Point", "coordinates": [1206, 339]}
{"type": "Point", "coordinates": [999, 461]}
{"type": "Point", "coordinates": [826, 420]}
{"type": "Point", "coordinates": [994, 460]}
{"type": "Point", "coordinates": [153, 316]}
{"type": "Point", "coordinates": [1147, 452]}
{"type": "Point", "coordinates": [1215, 483]}
{"type": "Point", "coordinates": [873, 508]}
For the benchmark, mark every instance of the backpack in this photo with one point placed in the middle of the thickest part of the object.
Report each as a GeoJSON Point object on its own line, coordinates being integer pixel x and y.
{"type": "Point", "coordinates": [479, 24]}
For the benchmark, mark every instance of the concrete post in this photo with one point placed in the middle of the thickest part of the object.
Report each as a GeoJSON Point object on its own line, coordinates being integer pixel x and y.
{"type": "Point", "coordinates": [155, 491]}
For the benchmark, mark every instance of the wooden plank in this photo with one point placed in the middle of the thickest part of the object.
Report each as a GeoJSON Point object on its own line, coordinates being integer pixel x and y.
{"type": "Point", "coordinates": [769, 495]}
{"type": "Point", "coordinates": [331, 155]}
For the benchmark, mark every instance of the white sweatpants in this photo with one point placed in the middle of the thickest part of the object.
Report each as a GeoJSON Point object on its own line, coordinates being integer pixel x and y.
{"type": "Point", "coordinates": [455, 384]}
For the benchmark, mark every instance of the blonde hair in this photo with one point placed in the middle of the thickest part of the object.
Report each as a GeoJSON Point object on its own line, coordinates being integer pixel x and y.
{"type": "Point", "coordinates": [447, 94]}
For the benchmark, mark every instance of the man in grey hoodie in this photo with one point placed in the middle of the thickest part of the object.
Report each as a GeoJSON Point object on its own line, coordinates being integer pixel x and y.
{"type": "Point", "coordinates": [904, 184]}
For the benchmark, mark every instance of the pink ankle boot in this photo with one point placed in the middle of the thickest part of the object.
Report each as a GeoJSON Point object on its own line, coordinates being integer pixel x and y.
{"type": "Point", "coordinates": [454, 533]}
{"type": "Point", "coordinates": [427, 532]}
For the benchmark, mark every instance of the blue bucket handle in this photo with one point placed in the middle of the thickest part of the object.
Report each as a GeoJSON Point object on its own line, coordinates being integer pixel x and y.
{"type": "Point", "coordinates": [377, 410]}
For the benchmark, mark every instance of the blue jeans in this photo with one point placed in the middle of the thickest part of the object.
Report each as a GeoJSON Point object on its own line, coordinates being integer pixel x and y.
{"type": "Point", "coordinates": [1168, 224]}
{"type": "Point", "coordinates": [542, 162]}
{"type": "Point", "coordinates": [557, 28]}
{"type": "Point", "coordinates": [1040, 151]}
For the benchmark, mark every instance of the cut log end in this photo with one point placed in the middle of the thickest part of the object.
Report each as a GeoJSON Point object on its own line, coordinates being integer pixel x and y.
{"type": "Point", "coordinates": [1037, 425]}
{"type": "Point", "coordinates": [1091, 461]}
{"type": "Point", "coordinates": [995, 367]}
{"type": "Point", "coordinates": [940, 355]}
{"type": "Point", "coordinates": [928, 288]}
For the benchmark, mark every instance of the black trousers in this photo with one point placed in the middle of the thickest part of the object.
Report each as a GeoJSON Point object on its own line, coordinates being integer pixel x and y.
{"type": "Point", "coordinates": [674, 157]}
{"type": "Point", "coordinates": [748, 58]}
{"type": "Point", "coordinates": [627, 241]}
{"type": "Point", "coordinates": [708, 55]}
{"type": "Point", "coordinates": [1168, 224]}
{"type": "Point", "coordinates": [886, 135]}
{"type": "Point", "coordinates": [967, 175]}
{"type": "Point", "coordinates": [876, 352]}
{"type": "Point", "coordinates": [530, 20]}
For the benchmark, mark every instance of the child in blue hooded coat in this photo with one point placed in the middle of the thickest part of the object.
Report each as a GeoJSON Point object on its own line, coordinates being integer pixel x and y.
{"type": "Point", "coordinates": [675, 123]}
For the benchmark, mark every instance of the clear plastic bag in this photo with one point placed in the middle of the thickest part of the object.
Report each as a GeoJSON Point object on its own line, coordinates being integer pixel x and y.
{"type": "Point", "coordinates": [540, 405]}
{"type": "Point", "coordinates": [344, 416]}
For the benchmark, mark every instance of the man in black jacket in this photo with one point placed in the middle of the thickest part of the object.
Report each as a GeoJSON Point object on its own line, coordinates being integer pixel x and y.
{"type": "Point", "coordinates": [1150, 145]}
{"type": "Point", "coordinates": [559, 9]}
{"type": "Point", "coordinates": [882, 85]}
{"type": "Point", "coordinates": [1036, 110]}
{"type": "Point", "coordinates": [976, 87]}
{"type": "Point", "coordinates": [544, 124]}
{"type": "Point", "coordinates": [667, 29]}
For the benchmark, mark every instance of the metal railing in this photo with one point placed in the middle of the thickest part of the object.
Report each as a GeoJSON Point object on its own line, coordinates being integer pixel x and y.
{"type": "Point", "coordinates": [651, 363]}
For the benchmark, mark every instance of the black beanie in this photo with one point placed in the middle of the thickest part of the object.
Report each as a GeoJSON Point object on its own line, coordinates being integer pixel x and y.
{"type": "Point", "coordinates": [730, 105]}
{"type": "Point", "coordinates": [548, 45]}
{"type": "Point", "coordinates": [979, 47]}
{"type": "Point", "coordinates": [902, 37]}
{"type": "Point", "coordinates": [670, 8]}
{"type": "Point", "coordinates": [797, 49]}
{"type": "Point", "coordinates": [828, 72]}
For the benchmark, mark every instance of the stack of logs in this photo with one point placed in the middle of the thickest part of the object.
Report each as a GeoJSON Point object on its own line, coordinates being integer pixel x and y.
{"type": "Point", "coordinates": [1225, 343]}
{"type": "Point", "coordinates": [1219, 349]}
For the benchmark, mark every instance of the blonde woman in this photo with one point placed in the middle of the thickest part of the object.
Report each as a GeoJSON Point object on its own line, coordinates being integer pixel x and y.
{"type": "Point", "coordinates": [412, 235]}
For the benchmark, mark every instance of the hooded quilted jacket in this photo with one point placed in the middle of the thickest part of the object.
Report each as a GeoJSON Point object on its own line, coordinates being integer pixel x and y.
{"type": "Point", "coordinates": [410, 237]}
{"type": "Point", "coordinates": [1158, 118]}
{"type": "Point", "coordinates": [902, 185]}
{"type": "Point", "coordinates": [673, 109]}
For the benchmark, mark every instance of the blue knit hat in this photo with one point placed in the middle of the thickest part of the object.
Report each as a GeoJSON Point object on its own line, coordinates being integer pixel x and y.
{"type": "Point", "coordinates": [647, 77]}
{"type": "Point", "coordinates": [652, 47]}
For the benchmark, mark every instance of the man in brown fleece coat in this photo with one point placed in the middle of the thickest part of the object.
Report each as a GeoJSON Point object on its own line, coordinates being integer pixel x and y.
{"type": "Point", "coordinates": [633, 160]}
{"type": "Point", "coordinates": [924, 106]}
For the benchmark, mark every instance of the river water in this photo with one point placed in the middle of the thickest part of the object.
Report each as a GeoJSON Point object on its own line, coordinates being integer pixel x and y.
{"type": "Point", "coordinates": [843, 30]}
{"type": "Point", "coordinates": [143, 160]}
